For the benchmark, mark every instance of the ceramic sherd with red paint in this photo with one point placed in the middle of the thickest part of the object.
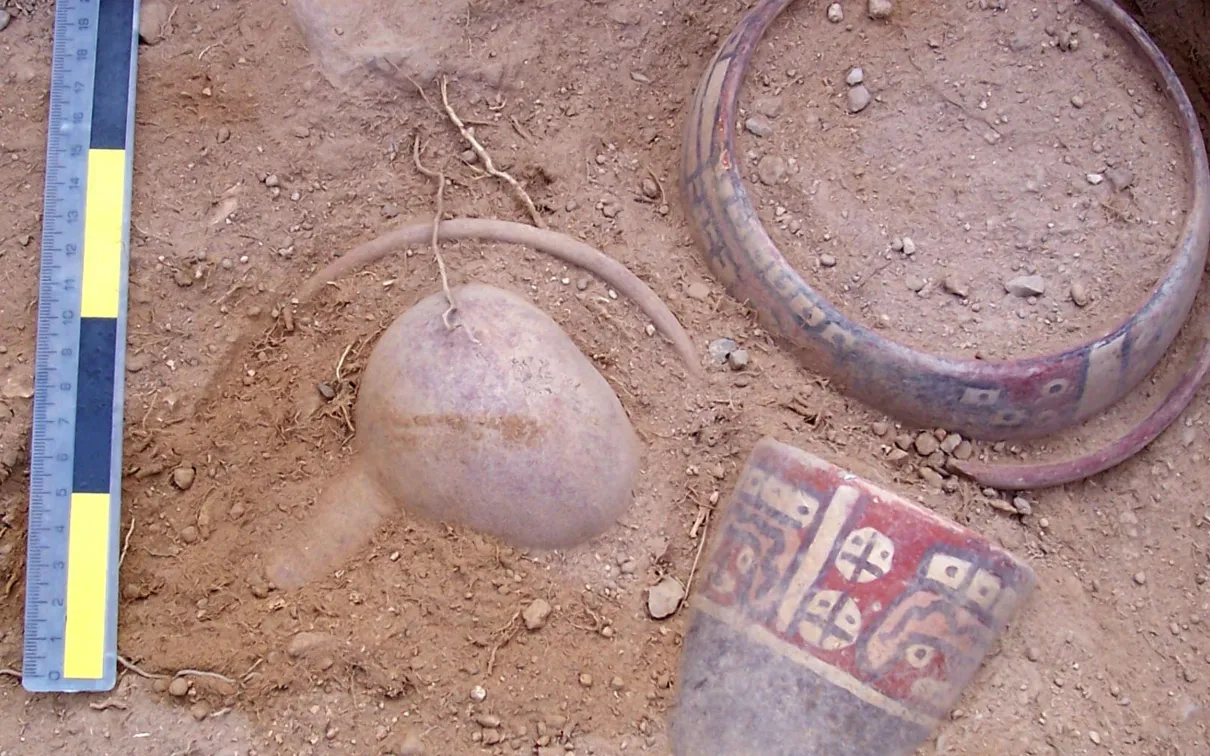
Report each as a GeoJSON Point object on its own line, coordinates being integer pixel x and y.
{"type": "Point", "coordinates": [835, 618]}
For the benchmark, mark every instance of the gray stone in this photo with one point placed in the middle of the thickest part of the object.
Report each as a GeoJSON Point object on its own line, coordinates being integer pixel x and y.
{"type": "Point", "coordinates": [759, 125]}
{"type": "Point", "coordinates": [721, 349]}
{"type": "Point", "coordinates": [855, 77]}
{"type": "Point", "coordinates": [664, 598]}
{"type": "Point", "coordinates": [858, 98]}
{"type": "Point", "coordinates": [1026, 286]}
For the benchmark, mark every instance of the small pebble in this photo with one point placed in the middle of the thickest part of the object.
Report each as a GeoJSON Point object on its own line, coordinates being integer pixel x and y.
{"type": "Point", "coordinates": [769, 106]}
{"type": "Point", "coordinates": [478, 694]}
{"type": "Point", "coordinates": [586, 679]}
{"type": "Point", "coordinates": [1094, 736]}
{"type": "Point", "coordinates": [909, 246]}
{"type": "Point", "coordinates": [858, 98]}
{"type": "Point", "coordinates": [721, 349]}
{"type": "Point", "coordinates": [183, 477]}
{"type": "Point", "coordinates": [1140, 578]}
{"type": "Point", "coordinates": [490, 721]}
{"type": "Point", "coordinates": [827, 261]}
{"type": "Point", "coordinates": [759, 125]}
{"type": "Point", "coordinates": [1095, 178]}
{"type": "Point", "coordinates": [897, 457]}
{"type": "Point", "coordinates": [536, 614]}
{"type": "Point", "coordinates": [771, 170]}
{"type": "Point", "coordinates": [1023, 507]}
{"type": "Point", "coordinates": [272, 180]}
{"type": "Point", "coordinates": [926, 444]}
{"type": "Point", "coordinates": [1026, 286]}
{"type": "Point", "coordinates": [855, 77]}
{"type": "Point", "coordinates": [664, 598]}
{"type": "Point", "coordinates": [325, 390]}
{"type": "Point", "coordinates": [738, 360]}
{"type": "Point", "coordinates": [189, 534]}
{"type": "Point", "coordinates": [698, 290]}
{"type": "Point", "coordinates": [915, 283]}
{"type": "Point", "coordinates": [178, 687]}
{"type": "Point", "coordinates": [931, 476]}
{"type": "Point", "coordinates": [835, 13]}
{"type": "Point", "coordinates": [953, 284]}
{"type": "Point", "coordinates": [1077, 101]}
{"type": "Point", "coordinates": [1079, 294]}
{"type": "Point", "coordinates": [880, 8]}
{"type": "Point", "coordinates": [199, 711]}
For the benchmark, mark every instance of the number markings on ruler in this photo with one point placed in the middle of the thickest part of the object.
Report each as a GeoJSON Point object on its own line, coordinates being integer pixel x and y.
{"type": "Point", "coordinates": [84, 633]}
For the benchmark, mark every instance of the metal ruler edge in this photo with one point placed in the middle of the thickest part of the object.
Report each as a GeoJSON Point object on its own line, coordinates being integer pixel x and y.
{"type": "Point", "coordinates": [71, 599]}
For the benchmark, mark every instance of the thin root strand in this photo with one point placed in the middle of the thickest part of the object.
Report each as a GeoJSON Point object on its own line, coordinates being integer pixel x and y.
{"type": "Point", "coordinates": [469, 135]}
{"type": "Point", "coordinates": [435, 241]}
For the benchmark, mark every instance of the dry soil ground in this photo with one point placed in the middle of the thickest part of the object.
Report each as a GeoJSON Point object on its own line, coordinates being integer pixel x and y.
{"type": "Point", "coordinates": [253, 167]}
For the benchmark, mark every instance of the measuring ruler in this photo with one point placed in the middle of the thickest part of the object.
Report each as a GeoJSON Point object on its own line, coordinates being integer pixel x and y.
{"type": "Point", "coordinates": [71, 581]}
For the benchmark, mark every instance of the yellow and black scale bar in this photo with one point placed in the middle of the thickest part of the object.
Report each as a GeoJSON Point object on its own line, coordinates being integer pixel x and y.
{"type": "Point", "coordinates": [89, 645]}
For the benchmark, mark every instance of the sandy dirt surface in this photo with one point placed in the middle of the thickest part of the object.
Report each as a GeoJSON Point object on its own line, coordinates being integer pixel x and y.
{"type": "Point", "coordinates": [264, 150]}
